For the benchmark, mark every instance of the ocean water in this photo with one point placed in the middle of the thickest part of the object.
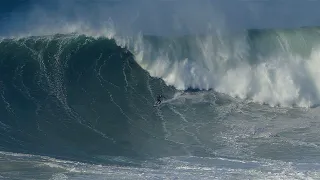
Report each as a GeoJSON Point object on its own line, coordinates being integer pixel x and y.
{"type": "Point", "coordinates": [77, 96]}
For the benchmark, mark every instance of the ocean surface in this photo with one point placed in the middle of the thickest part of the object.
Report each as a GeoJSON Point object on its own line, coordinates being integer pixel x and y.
{"type": "Point", "coordinates": [77, 97]}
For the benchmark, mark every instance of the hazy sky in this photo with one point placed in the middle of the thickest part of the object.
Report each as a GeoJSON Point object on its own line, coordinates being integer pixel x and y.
{"type": "Point", "coordinates": [160, 17]}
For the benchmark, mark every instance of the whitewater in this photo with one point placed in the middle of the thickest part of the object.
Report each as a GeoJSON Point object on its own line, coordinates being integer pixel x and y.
{"type": "Point", "coordinates": [77, 91]}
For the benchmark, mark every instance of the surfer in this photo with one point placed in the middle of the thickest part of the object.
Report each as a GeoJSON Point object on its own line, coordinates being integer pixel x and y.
{"type": "Point", "coordinates": [159, 97]}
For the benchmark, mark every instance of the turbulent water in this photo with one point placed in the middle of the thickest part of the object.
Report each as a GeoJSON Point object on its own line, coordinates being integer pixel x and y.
{"type": "Point", "coordinates": [238, 105]}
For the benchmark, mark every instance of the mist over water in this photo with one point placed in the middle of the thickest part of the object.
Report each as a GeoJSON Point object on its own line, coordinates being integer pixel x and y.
{"type": "Point", "coordinates": [155, 17]}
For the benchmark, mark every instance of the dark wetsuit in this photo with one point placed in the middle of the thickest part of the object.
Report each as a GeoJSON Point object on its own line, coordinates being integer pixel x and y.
{"type": "Point", "coordinates": [159, 99]}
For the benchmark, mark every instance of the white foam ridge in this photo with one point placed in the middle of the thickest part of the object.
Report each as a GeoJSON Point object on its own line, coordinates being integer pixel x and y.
{"type": "Point", "coordinates": [279, 69]}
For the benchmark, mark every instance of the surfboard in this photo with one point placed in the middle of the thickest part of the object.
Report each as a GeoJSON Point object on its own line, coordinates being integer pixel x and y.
{"type": "Point", "coordinates": [157, 104]}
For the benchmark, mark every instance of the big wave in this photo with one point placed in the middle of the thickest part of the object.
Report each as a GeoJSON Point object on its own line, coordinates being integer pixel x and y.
{"type": "Point", "coordinates": [275, 67]}
{"type": "Point", "coordinates": [268, 66]}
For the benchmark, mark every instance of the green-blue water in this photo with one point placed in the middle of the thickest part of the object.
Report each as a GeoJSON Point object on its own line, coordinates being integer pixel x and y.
{"type": "Point", "coordinates": [77, 100]}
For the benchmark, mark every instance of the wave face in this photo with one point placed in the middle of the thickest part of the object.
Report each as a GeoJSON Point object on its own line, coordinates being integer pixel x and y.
{"type": "Point", "coordinates": [65, 92]}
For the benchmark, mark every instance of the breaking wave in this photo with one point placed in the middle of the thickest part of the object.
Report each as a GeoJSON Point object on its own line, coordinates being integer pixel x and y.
{"type": "Point", "coordinates": [275, 67]}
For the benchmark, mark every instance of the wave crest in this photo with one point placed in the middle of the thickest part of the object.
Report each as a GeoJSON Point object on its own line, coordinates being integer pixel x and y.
{"type": "Point", "coordinates": [276, 67]}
